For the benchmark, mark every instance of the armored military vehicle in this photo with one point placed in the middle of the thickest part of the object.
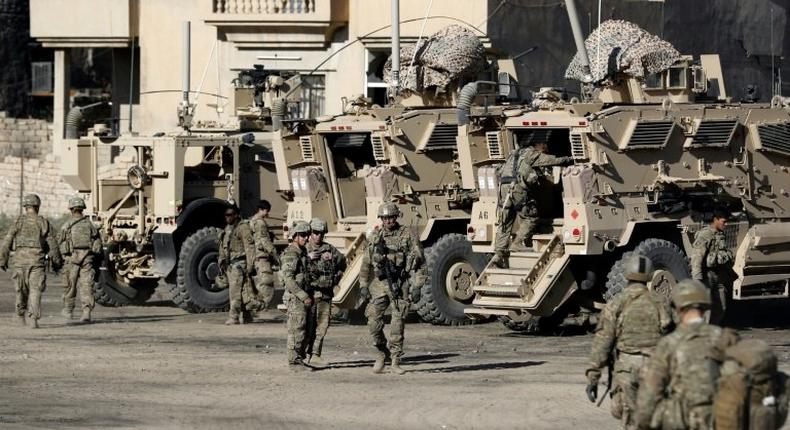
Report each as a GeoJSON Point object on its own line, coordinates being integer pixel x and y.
{"type": "Point", "coordinates": [159, 200]}
{"type": "Point", "coordinates": [656, 144]}
{"type": "Point", "coordinates": [341, 168]}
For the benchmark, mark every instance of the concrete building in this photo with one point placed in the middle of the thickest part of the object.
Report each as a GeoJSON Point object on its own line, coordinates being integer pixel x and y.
{"type": "Point", "coordinates": [230, 35]}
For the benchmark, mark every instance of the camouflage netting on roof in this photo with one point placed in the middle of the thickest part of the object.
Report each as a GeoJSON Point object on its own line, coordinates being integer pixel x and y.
{"type": "Point", "coordinates": [450, 54]}
{"type": "Point", "coordinates": [626, 48]}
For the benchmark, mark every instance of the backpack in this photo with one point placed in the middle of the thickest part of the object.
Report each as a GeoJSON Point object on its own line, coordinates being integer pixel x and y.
{"type": "Point", "coordinates": [752, 393]}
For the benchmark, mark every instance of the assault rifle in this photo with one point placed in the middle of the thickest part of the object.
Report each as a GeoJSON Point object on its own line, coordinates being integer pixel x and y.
{"type": "Point", "coordinates": [387, 268]}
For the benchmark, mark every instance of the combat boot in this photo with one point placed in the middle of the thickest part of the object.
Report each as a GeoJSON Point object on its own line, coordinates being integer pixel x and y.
{"type": "Point", "coordinates": [500, 260]}
{"type": "Point", "coordinates": [299, 367]}
{"type": "Point", "coordinates": [395, 366]}
{"type": "Point", "coordinates": [34, 323]}
{"type": "Point", "coordinates": [232, 321]}
{"type": "Point", "coordinates": [317, 362]}
{"type": "Point", "coordinates": [86, 315]}
{"type": "Point", "coordinates": [20, 320]}
{"type": "Point", "coordinates": [378, 366]}
{"type": "Point", "coordinates": [67, 314]}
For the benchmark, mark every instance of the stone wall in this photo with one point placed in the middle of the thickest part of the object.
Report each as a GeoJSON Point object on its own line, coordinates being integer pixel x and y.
{"type": "Point", "coordinates": [39, 171]}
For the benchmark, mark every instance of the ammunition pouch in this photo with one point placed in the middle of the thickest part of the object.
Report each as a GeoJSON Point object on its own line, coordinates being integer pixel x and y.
{"type": "Point", "coordinates": [65, 247]}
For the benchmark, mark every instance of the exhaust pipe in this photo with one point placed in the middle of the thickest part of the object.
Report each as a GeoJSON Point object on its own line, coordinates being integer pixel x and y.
{"type": "Point", "coordinates": [609, 245]}
{"type": "Point", "coordinates": [578, 37]}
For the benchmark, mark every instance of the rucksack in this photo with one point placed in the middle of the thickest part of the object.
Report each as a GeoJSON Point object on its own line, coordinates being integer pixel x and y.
{"type": "Point", "coordinates": [752, 393]}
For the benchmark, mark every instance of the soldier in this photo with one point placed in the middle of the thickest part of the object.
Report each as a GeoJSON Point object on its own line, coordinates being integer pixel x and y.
{"type": "Point", "coordinates": [33, 240]}
{"type": "Point", "coordinates": [325, 266]}
{"type": "Point", "coordinates": [711, 263]}
{"type": "Point", "coordinates": [393, 254]}
{"type": "Point", "coordinates": [265, 255]}
{"type": "Point", "coordinates": [236, 254]}
{"type": "Point", "coordinates": [681, 376]}
{"type": "Point", "coordinates": [521, 172]}
{"type": "Point", "coordinates": [79, 244]}
{"type": "Point", "coordinates": [629, 328]}
{"type": "Point", "coordinates": [293, 273]}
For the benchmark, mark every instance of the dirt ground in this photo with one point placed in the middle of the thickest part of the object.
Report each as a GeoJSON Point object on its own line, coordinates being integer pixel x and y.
{"type": "Point", "coordinates": [159, 367]}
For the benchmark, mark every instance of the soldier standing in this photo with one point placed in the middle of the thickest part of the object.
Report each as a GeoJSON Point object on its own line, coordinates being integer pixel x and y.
{"type": "Point", "coordinates": [236, 253]}
{"type": "Point", "coordinates": [711, 263]}
{"type": "Point", "coordinates": [33, 240]}
{"type": "Point", "coordinates": [681, 377]}
{"type": "Point", "coordinates": [522, 176]}
{"type": "Point", "coordinates": [325, 266]}
{"type": "Point", "coordinates": [393, 254]}
{"type": "Point", "coordinates": [629, 328]}
{"type": "Point", "coordinates": [293, 273]}
{"type": "Point", "coordinates": [265, 255]}
{"type": "Point", "coordinates": [79, 244]}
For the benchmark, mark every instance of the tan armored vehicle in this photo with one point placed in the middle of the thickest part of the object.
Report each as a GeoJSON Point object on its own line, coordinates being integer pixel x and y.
{"type": "Point", "coordinates": [654, 151]}
{"type": "Point", "coordinates": [160, 200]}
{"type": "Point", "coordinates": [342, 168]}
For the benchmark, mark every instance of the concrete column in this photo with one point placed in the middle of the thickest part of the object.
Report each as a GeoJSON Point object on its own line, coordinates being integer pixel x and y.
{"type": "Point", "coordinates": [62, 98]}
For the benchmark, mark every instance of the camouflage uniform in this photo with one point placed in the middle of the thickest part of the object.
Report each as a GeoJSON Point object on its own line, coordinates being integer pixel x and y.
{"type": "Point", "coordinates": [405, 251]}
{"type": "Point", "coordinates": [629, 327]}
{"type": "Point", "coordinates": [79, 243]}
{"type": "Point", "coordinates": [680, 381]}
{"type": "Point", "coordinates": [293, 273]}
{"type": "Point", "coordinates": [265, 258]}
{"type": "Point", "coordinates": [323, 274]}
{"type": "Point", "coordinates": [519, 182]}
{"type": "Point", "coordinates": [33, 239]}
{"type": "Point", "coordinates": [711, 263]}
{"type": "Point", "coordinates": [236, 254]}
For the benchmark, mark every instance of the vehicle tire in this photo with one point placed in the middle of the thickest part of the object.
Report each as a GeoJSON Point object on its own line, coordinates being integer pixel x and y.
{"type": "Point", "coordinates": [112, 292]}
{"type": "Point", "coordinates": [669, 264]}
{"type": "Point", "coordinates": [451, 269]}
{"type": "Point", "coordinates": [532, 325]}
{"type": "Point", "coordinates": [195, 290]}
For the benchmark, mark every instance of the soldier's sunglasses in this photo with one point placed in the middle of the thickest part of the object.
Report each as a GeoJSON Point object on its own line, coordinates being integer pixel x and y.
{"type": "Point", "coordinates": [317, 233]}
{"type": "Point", "coordinates": [303, 234]}
{"type": "Point", "coordinates": [390, 217]}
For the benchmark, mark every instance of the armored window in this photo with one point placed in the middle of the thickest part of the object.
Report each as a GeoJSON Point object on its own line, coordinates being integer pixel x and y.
{"type": "Point", "coordinates": [677, 78]}
{"type": "Point", "coordinates": [647, 134]}
{"type": "Point", "coordinates": [655, 81]}
{"type": "Point", "coordinates": [775, 137]}
{"type": "Point", "coordinates": [714, 133]}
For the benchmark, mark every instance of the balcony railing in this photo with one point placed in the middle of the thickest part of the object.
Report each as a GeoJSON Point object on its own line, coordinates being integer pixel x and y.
{"type": "Point", "coordinates": [256, 7]}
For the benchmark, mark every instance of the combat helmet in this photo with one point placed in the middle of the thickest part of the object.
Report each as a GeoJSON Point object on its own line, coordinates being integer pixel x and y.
{"type": "Point", "coordinates": [300, 227]}
{"type": "Point", "coordinates": [317, 224]}
{"type": "Point", "coordinates": [31, 200]}
{"type": "Point", "coordinates": [387, 209]}
{"type": "Point", "coordinates": [76, 203]}
{"type": "Point", "coordinates": [638, 268]}
{"type": "Point", "coordinates": [689, 292]}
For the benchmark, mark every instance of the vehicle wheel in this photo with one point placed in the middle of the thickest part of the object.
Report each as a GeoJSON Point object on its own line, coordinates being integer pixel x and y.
{"type": "Point", "coordinates": [113, 292]}
{"type": "Point", "coordinates": [197, 268]}
{"type": "Point", "coordinates": [669, 266]}
{"type": "Point", "coordinates": [451, 269]}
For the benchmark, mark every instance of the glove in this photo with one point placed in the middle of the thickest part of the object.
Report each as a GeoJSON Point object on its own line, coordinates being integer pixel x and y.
{"type": "Point", "coordinates": [364, 294]}
{"type": "Point", "coordinates": [592, 392]}
{"type": "Point", "coordinates": [414, 293]}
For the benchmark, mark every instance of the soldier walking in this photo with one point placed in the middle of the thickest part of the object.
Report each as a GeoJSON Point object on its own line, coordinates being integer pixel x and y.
{"type": "Point", "coordinates": [236, 254]}
{"type": "Point", "coordinates": [630, 326]}
{"type": "Point", "coordinates": [293, 273]}
{"type": "Point", "coordinates": [711, 263]}
{"type": "Point", "coordinates": [325, 266]}
{"type": "Point", "coordinates": [520, 177]}
{"type": "Point", "coordinates": [681, 377]}
{"type": "Point", "coordinates": [33, 240]}
{"type": "Point", "coordinates": [393, 254]}
{"type": "Point", "coordinates": [79, 244]}
{"type": "Point", "coordinates": [265, 255]}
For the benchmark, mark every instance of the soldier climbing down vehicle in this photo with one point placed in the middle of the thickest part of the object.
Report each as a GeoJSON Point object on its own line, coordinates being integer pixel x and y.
{"type": "Point", "coordinates": [520, 177]}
